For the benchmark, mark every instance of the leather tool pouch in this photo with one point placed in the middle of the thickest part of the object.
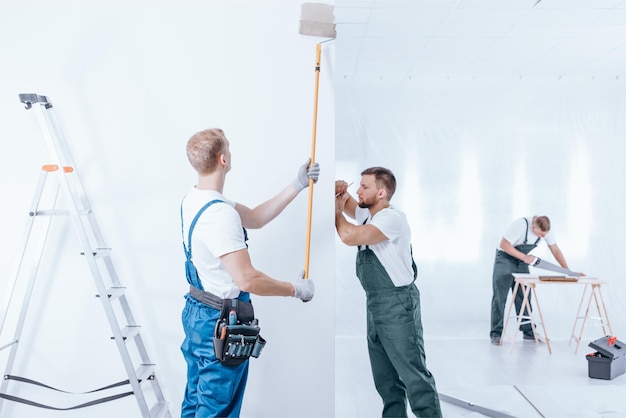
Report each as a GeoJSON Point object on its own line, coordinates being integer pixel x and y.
{"type": "Point", "coordinates": [236, 337]}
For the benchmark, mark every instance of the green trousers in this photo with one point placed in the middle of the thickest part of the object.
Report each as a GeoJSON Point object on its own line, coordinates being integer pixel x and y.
{"type": "Point", "coordinates": [503, 282]}
{"type": "Point", "coordinates": [395, 342]}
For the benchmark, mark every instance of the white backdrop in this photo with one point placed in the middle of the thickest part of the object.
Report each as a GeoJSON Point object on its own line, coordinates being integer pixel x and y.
{"type": "Point", "coordinates": [131, 81]}
{"type": "Point", "coordinates": [473, 154]}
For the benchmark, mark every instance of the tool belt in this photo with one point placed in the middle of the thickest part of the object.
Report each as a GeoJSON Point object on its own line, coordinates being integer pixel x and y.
{"type": "Point", "coordinates": [237, 333]}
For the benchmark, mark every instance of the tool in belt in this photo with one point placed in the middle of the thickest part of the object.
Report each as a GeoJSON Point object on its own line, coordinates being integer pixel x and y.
{"type": "Point", "coordinates": [237, 333]}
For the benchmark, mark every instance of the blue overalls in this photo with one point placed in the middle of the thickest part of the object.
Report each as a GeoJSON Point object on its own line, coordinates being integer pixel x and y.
{"type": "Point", "coordinates": [395, 341]}
{"type": "Point", "coordinates": [213, 390]}
{"type": "Point", "coordinates": [504, 267]}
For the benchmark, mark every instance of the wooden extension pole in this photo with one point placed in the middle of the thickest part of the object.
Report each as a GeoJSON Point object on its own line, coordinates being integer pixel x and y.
{"type": "Point", "coordinates": [307, 255]}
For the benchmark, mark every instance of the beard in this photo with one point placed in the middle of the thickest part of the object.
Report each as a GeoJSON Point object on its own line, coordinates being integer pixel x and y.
{"type": "Point", "coordinates": [366, 204]}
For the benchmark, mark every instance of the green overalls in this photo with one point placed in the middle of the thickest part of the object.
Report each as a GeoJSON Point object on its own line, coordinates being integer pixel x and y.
{"type": "Point", "coordinates": [395, 341]}
{"type": "Point", "coordinates": [504, 267]}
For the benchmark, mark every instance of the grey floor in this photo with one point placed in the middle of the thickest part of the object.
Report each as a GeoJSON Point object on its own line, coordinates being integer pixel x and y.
{"type": "Point", "coordinates": [525, 382]}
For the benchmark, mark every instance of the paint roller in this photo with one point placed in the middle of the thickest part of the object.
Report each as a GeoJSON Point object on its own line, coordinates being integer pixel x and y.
{"type": "Point", "coordinates": [317, 19]}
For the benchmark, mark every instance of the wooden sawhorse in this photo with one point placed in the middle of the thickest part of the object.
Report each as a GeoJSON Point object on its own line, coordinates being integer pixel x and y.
{"type": "Point", "coordinates": [528, 283]}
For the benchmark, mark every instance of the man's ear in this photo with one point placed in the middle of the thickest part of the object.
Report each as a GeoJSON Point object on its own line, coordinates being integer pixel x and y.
{"type": "Point", "coordinates": [222, 159]}
{"type": "Point", "coordinates": [382, 193]}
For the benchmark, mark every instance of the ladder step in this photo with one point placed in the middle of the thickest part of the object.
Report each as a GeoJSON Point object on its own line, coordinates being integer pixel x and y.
{"type": "Point", "coordinates": [114, 293]}
{"type": "Point", "coordinates": [9, 344]}
{"type": "Point", "coordinates": [99, 252]}
{"type": "Point", "coordinates": [145, 372]}
{"type": "Point", "coordinates": [159, 410]}
{"type": "Point", "coordinates": [57, 212]}
{"type": "Point", "coordinates": [129, 332]}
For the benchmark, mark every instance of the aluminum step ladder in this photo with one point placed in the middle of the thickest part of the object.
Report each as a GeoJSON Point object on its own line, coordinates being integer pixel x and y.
{"type": "Point", "coordinates": [126, 332]}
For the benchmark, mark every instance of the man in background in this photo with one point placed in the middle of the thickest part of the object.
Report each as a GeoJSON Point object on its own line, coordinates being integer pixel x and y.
{"type": "Point", "coordinates": [512, 256]}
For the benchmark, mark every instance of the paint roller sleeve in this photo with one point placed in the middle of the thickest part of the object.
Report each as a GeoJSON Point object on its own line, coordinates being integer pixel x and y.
{"type": "Point", "coordinates": [318, 19]}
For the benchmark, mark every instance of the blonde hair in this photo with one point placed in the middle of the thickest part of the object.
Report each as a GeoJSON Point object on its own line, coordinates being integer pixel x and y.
{"type": "Point", "coordinates": [204, 149]}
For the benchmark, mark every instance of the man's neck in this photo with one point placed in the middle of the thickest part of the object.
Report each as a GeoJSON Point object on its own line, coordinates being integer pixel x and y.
{"type": "Point", "coordinates": [380, 205]}
{"type": "Point", "coordinates": [214, 181]}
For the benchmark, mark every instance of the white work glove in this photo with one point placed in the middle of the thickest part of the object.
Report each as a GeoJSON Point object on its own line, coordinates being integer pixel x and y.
{"type": "Point", "coordinates": [304, 174]}
{"type": "Point", "coordinates": [305, 289]}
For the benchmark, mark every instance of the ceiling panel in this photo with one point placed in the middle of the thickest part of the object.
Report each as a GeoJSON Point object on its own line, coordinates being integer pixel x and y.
{"type": "Point", "coordinates": [554, 38]}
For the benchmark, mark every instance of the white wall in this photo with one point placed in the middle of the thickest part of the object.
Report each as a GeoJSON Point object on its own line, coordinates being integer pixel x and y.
{"type": "Point", "coordinates": [131, 81]}
{"type": "Point", "coordinates": [473, 154]}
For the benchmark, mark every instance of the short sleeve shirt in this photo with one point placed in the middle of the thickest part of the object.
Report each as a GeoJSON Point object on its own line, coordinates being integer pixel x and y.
{"type": "Point", "coordinates": [218, 231]}
{"type": "Point", "coordinates": [517, 232]}
{"type": "Point", "coordinates": [395, 253]}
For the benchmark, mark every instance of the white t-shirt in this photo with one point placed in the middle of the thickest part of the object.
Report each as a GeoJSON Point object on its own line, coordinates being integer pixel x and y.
{"type": "Point", "coordinates": [395, 253]}
{"type": "Point", "coordinates": [218, 231]}
{"type": "Point", "coordinates": [517, 232]}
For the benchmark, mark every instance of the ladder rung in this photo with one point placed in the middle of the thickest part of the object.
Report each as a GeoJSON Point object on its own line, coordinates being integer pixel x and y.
{"type": "Point", "coordinates": [129, 332]}
{"type": "Point", "coordinates": [58, 212]}
{"type": "Point", "coordinates": [53, 167]}
{"type": "Point", "coordinates": [9, 344]}
{"type": "Point", "coordinates": [145, 372]}
{"type": "Point", "coordinates": [99, 252]}
{"type": "Point", "coordinates": [114, 292]}
{"type": "Point", "coordinates": [159, 410]}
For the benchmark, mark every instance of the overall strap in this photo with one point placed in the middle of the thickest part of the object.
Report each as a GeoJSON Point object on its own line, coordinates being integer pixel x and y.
{"type": "Point", "coordinates": [367, 246]}
{"type": "Point", "coordinates": [526, 237]}
{"type": "Point", "coordinates": [193, 225]}
{"type": "Point", "coordinates": [413, 265]}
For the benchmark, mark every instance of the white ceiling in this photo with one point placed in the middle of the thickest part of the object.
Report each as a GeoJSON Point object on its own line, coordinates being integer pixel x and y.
{"type": "Point", "coordinates": [404, 38]}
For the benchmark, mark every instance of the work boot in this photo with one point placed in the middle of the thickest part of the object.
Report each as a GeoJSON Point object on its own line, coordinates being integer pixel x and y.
{"type": "Point", "coordinates": [531, 337]}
